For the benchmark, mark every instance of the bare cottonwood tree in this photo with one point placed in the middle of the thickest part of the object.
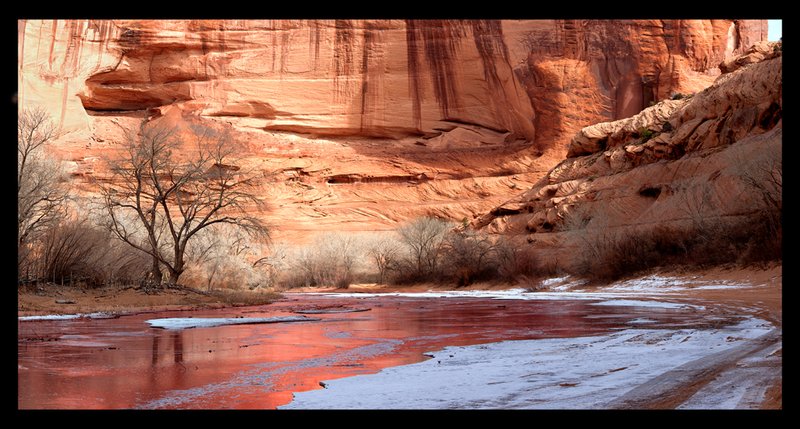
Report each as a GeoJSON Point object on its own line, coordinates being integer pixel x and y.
{"type": "Point", "coordinates": [41, 196]}
{"type": "Point", "coordinates": [423, 237]}
{"type": "Point", "coordinates": [175, 189]}
{"type": "Point", "coordinates": [383, 251]}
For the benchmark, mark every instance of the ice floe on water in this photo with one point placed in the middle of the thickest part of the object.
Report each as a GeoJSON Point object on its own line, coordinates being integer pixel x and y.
{"type": "Point", "coordinates": [583, 372]}
{"type": "Point", "coordinates": [209, 322]}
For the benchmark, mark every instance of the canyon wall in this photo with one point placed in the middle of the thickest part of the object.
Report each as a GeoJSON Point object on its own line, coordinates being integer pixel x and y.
{"type": "Point", "coordinates": [677, 162]}
{"type": "Point", "coordinates": [365, 123]}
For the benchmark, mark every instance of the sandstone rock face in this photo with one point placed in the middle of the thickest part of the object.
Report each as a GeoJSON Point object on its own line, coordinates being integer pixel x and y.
{"type": "Point", "coordinates": [756, 53]}
{"type": "Point", "coordinates": [697, 145]}
{"type": "Point", "coordinates": [367, 122]}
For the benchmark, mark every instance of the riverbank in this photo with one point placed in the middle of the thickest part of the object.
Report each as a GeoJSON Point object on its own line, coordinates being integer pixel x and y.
{"type": "Point", "coordinates": [709, 359]}
{"type": "Point", "coordinates": [756, 291]}
{"type": "Point", "coordinates": [731, 379]}
{"type": "Point", "coordinates": [56, 299]}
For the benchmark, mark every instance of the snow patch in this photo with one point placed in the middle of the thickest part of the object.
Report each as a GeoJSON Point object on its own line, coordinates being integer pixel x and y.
{"type": "Point", "coordinates": [723, 285]}
{"type": "Point", "coordinates": [209, 322]}
{"type": "Point", "coordinates": [661, 284]}
{"type": "Point", "coordinates": [641, 320]}
{"type": "Point", "coordinates": [561, 284]}
{"type": "Point", "coordinates": [531, 373]}
{"type": "Point", "coordinates": [654, 283]}
{"type": "Point", "coordinates": [652, 304]}
{"type": "Point", "coordinates": [98, 315]}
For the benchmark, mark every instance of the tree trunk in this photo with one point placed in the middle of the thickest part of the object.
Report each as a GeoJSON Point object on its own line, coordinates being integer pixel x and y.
{"type": "Point", "coordinates": [155, 274]}
{"type": "Point", "coordinates": [174, 274]}
{"type": "Point", "coordinates": [173, 277]}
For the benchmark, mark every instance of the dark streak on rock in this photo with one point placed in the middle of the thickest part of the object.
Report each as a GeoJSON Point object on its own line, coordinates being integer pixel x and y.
{"type": "Point", "coordinates": [440, 39]}
{"type": "Point", "coordinates": [369, 38]}
{"type": "Point", "coordinates": [342, 56]}
{"type": "Point", "coordinates": [413, 71]}
{"type": "Point", "coordinates": [284, 49]}
{"type": "Point", "coordinates": [488, 35]}
{"type": "Point", "coordinates": [313, 41]}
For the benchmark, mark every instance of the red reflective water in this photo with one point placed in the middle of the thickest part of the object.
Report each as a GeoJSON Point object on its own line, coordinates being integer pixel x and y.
{"type": "Point", "coordinates": [123, 363]}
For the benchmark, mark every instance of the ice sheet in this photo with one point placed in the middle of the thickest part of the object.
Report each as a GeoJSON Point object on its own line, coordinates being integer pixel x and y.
{"type": "Point", "coordinates": [203, 322]}
{"type": "Point", "coordinates": [584, 372]}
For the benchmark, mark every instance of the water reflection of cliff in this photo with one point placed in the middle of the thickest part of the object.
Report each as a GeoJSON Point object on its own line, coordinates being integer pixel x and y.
{"type": "Point", "coordinates": [119, 363]}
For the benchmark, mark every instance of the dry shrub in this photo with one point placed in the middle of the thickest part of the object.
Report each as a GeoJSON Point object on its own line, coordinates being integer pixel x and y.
{"type": "Point", "coordinates": [467, 257]}
{"type": "Point", "coordinates": [609, 255]}
{"type": "Point", "coordinates": [383, 250]}
{"type": "Point", "coordinates": [606, 256]}
{"type": "Point", "coordinates": [423, 238]}
{"type": "Point", "coordinates": [516, 260]}
{"type": "Point", "coordinates": [220, 258]}
{"type": "Point", "coordinates": [332, 260]}
{"type": "Point", "coordinates": [706, 236]}
{"type": "Point", "coordinates": [74, 252]}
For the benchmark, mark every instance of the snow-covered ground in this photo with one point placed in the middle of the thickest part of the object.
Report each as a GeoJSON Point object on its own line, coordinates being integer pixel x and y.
{"type": "Point", "coordinates": [608, 298]}
{"type": "Point", "coordinates": [584, 372]}
{"type": "Point", "coordinates": [561, 288]}
{"type": "Point", "coordinates": [208, 322]}
{"type": "Point", "coordinates": [663, 284]}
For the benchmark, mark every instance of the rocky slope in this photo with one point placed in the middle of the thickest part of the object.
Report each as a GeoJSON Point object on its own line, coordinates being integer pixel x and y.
{"type": "Point", "coordinates": [670, 162]}
{"type": "Point", "coordinates": [358, 124]}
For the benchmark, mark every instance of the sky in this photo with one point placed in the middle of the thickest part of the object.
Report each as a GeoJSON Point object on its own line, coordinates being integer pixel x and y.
{"type": "Point", "coordinates": [775, 30]}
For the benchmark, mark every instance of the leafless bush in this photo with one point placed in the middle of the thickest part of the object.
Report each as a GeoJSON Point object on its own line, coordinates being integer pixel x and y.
{"type": "Point", "coordinates": [330, 261]}
{"type": "Point", "coordinates": [706, 239]}
{"type": "Point", "coordinates": [117, 263]}
{"type": "Point", "coordinates": [763, 176]}
{"type": "Point", "coordinates": [40, 193]}
{"type": "Point", "coordinates": [225, 257]}
{"type": "Point", "coordinates": [422, 238]}
{"type": "Point", "coordinates": [273, 263]}
{"type": "Point", "coordinates": [468, 256]}
{"type": "Point", "coordinates": [516, 260]}
{"type": "Point", "coordinates": [384, 251]}
{"type": "Point", "coordinates": [75, 252]}
{"type": "Point", "coordinates": [67, 248]}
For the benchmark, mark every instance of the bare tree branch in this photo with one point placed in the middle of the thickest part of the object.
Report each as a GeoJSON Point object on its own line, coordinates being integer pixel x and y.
{"type": "Point", "coordinates": [175, 193]}
{"type": "Point", "coordinates": [41, 196]}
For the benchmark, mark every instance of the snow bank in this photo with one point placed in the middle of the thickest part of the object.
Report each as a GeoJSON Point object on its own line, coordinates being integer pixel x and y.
{"type": "Point", "coordinates": [661, 284]}
{"type": "Point", "coordinates": [585, 372]}
{"type": "Point", "coordinates": [66, 317]}
{"type": "Point", "coordinates": [651, 304]}
{"type": "Point", "coordinates": [499, 294]}
{"type": "Point", "coordinates": [208, 322]}
{"type": "Point", "coordinates": [564, 288]}
{"type": "Point", "coordinates": [654, 283]}
{"type": "Point", "coordinates": [485, 294]}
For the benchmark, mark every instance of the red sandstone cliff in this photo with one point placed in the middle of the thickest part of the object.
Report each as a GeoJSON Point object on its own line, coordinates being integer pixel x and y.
{"type": "Point", "coordinates": [368, 122]}
{"type": "Point", "coordinates": [662, 166]}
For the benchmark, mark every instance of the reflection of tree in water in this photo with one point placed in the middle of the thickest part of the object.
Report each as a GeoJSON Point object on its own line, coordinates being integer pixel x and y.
{"type": "Point", "coordinates": [177, 348]}
{"type": "Point", "coordinates": [154, 361]}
